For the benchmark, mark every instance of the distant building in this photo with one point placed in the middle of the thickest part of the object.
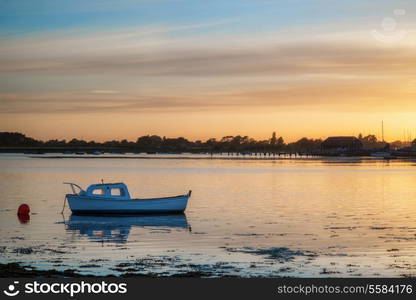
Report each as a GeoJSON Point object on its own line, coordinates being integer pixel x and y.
{"type": "Point", "coordinates": [341, 144]}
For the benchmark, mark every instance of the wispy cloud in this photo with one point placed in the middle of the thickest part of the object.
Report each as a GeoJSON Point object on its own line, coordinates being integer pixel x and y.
{"type": "Point", "coordinates": [151, 51]}
{"type": "Point", "coordinates": [341, 70]}
{"type": "Point", "coordinates": [105, 92]}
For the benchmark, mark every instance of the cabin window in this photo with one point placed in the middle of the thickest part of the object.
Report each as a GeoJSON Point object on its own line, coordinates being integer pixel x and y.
{"type": "Point", "coordinates": [98, 192]}
{"type": "Point", "coordinates": [117, 192]}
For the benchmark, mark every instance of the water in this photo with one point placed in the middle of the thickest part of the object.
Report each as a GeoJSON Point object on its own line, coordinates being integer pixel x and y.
{"type": "Point", "coordinates": [288, 217]}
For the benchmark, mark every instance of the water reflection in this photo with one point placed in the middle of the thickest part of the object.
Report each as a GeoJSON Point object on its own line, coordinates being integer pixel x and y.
{"type": "Point", "coordinates": [23, 219]}
{"type": "Point", "coordinates": [116, 229]}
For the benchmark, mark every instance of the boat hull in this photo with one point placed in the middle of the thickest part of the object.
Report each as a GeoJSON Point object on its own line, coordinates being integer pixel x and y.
{"type": "Point", "coordinates": [94, 205]}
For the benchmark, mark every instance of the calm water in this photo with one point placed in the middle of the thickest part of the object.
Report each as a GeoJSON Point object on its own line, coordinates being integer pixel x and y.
{"type": "Point", "coordinates": [333, 217]}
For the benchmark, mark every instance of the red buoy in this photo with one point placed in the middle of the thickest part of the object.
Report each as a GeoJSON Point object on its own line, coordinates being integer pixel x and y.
{"type": "Point", "coordinates": [23, 210]}
{"type": "Point", "coordinates": [23, 219]}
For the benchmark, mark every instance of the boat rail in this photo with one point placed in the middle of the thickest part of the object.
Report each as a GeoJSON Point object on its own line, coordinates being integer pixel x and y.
{"type": "Point", "coordinates": [73, 186]}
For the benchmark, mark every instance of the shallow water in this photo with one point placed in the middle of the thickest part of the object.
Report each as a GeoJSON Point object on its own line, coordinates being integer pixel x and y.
{"type": "Point", "coordinates": [287, 217]}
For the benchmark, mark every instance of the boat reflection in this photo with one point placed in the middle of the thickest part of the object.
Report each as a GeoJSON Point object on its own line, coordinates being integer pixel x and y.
{"type": "Point", "coordinates": [116, 229]}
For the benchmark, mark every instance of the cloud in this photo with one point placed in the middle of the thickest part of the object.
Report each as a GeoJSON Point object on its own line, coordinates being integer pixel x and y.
{"type": "Point", "coordinates": [153, 52]}
{"type": "Point", "coordinates": [105, 92]}
{"type": "Point", "coordinates": [313, 93]}
{"type": "Point", "coordinates": [283, 70]}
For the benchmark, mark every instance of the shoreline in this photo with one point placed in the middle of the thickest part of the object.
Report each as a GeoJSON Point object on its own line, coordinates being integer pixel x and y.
{"type": "Point", "coordinates": [266, 158]}
{"type": "Point", "coordinates": [16, 270]}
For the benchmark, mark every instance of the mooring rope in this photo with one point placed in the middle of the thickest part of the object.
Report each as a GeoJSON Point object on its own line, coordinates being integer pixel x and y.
{"type": "Point", "coordinates": [63, 208]}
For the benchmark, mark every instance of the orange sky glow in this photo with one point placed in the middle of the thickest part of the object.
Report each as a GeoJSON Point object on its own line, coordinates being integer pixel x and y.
{"type": "Point", "coordinates": [212, 79]}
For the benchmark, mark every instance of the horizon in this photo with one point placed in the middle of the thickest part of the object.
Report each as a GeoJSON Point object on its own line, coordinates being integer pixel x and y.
{"type": "Point", "coordinates": [203, 140]}
{"type": "Point", "coordinates": [105, 70]}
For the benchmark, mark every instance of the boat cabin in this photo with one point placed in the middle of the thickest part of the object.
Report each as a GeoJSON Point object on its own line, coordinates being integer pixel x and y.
{"type": "Point", "coordinates": [117, 191]}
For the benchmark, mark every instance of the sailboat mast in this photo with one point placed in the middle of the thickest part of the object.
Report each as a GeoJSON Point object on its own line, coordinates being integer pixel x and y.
{"type": "Point", "coordinates": [382, 131]}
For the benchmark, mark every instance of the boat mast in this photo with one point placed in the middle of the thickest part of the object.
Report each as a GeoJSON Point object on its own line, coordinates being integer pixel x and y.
{"type": "Point", "coordinates": [382, 131]}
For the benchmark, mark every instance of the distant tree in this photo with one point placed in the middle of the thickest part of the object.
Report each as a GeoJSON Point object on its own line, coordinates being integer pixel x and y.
{"type": "Point", "coordinates": [276, 144]}
{"type": "Point", "coordinates": [212, 145]}
{"type": "Point", "coordinates": [176, 144]}
{"type": "Point", "coordinates": [17, 139]}
{"type": "Point", "coordinates": [55, 143]}
{"type": "Point", "coordinates": [371, 141]}
{"type": "Point", "coordinates": [305, 144]}
{"type": "Point", "coordinates": [273, 140]}
{"type": "Point", "coordinates": [211, 141]}
{"type": "Point", "coordinates": [280, 143]}
{"type": "Point", "coordinates": [149, 142]}
{"type": "Point", "coordinates": [227, 139]}
{"type": "Point", "coordinates": [76, 142]}
{"type": "Point", "coordinates": [371, 138]}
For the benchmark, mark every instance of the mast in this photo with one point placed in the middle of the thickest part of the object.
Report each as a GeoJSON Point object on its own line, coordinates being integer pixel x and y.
{"type": "Point", "coordinates": [382, 131]}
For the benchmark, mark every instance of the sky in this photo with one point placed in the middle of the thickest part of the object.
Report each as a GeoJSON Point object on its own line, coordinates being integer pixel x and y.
{"type": "Point", "coordinates": [103, 69]}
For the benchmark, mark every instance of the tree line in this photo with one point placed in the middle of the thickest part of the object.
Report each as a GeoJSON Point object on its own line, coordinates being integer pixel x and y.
{"type": "Point", "coordinates": [155, 143]}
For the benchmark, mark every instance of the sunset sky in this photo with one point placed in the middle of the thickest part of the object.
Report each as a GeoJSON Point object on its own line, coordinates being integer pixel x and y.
{"type": "Point", "coordinates": [104, 70]}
